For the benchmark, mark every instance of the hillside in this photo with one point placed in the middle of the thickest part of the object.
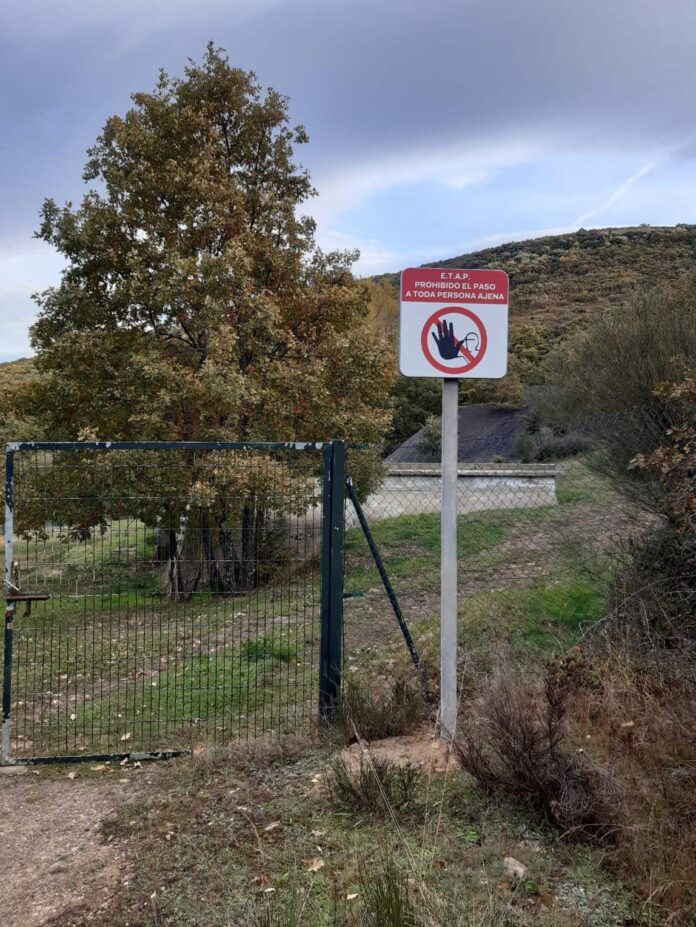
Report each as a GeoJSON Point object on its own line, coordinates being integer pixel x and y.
{"type": "Point", "coordinates": [558, 279]}
{"type": "Point", "coordinates": [20, 366]}
{"type": "Point", "coordinates": [556, 282]}
{"type": "Point", "coordinates": [20, 413]}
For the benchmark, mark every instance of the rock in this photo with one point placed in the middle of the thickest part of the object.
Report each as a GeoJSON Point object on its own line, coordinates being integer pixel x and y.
{"type": "Point", "coordinates": [514, 869]}
{"type": "Point", "coordinates": [14, 770]}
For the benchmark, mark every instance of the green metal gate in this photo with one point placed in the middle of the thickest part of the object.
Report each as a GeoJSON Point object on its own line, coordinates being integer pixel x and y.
{"type": "Point", "coordinates": [160, 594]}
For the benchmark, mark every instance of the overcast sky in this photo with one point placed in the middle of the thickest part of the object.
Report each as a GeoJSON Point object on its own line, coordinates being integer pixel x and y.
{"type": "Point", "coordinates": [436, 126]}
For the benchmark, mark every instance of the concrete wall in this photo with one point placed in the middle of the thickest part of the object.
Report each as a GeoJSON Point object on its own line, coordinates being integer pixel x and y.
{"type": "Point", "coordinates": [415, 489]}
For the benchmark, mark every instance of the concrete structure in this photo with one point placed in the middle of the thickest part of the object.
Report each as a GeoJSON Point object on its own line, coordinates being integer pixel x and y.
{"type": "Point", "coordinates": [414, 489]}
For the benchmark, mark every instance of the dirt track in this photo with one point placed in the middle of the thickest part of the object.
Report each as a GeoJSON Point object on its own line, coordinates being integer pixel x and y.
{"type": "Point", "coordinates": [52, 851]}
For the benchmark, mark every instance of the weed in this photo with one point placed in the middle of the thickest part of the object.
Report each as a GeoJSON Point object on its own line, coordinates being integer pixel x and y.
{"type": "Point", "coordinates": [387, 898]}
{"type": "Point", "coordinates": [290, 912]}
{"type": "Point", "coordinates": [379, 714]}
{"type": "Point", "coordinates": [375, 786]}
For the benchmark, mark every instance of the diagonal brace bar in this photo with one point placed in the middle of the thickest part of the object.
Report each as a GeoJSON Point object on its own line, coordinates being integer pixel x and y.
{"type": "Point", "coordinates": [386, 582]}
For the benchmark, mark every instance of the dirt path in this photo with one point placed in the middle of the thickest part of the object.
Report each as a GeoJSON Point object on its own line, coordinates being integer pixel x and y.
{"type": "Point", "coordinates": [529, 551]}
{"type": "Point", "coordinates": [52, 852]}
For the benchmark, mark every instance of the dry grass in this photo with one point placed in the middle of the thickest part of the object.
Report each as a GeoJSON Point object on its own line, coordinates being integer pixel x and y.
{"type": "Point", "coordinates": [388, 899]}
{"type": "Point", "coordinates": [373, 786]}
{"type": "Point", "coordinates": [377, 713]}
{"type": "Point", "coordinates": [511, 744]}
{"type": "Point", "coordinates": [653, 592]}
{"type": "Point", "coordinates": [637, 711]}
{"type": "Point", "coordinates": [619, 705]}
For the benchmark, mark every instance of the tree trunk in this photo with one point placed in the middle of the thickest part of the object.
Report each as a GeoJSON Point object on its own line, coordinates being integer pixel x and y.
{"type": "Point", "coordinates": [207, 551]}
{"type": "Point", "coordinates": [184, 568]}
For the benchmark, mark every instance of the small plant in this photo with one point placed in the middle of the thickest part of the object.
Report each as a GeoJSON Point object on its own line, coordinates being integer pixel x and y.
{"type": "Point", "coordinates": [374, 786]}
{"type": "Point", "coordinates": [512, 747]}
{"type": "Point", "coordinates": [374, 716]}
{"type": "Point", "coordinates": [387, 899]}
{"type": "Point", "coordinates": [288, 912]}
{"type": "Point", "coordinates": [430, 441]}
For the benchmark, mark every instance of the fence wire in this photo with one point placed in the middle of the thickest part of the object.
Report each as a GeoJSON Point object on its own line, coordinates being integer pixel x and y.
{"type": "Point", "coordinates": [184, 597]}
{"type": "Point", "coordinates": [538, 544]}
{"type": "Point", "coordinates": [185, 584]}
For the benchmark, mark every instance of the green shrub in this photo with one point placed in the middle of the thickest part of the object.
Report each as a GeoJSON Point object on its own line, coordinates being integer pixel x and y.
{"type": "Point", "coordinates": [431, 438]}
{"type": "Point", "coordinates": [545, 444]}
{"type": "Point", "coordinates": [606, 377]}
{"type": "Point", "coordinates": [375, 786]}
{"type": "Point", "coordinates": [654, 594]}
{"type": "Point", "coordinates": [376, 715]}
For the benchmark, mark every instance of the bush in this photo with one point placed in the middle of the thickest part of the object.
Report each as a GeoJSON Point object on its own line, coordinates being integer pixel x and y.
{"type": "Point", "coordinates": [607, 377]}
{"type": "Point", "coordinates": [375, 786]}
{"type": "Point", "coordinates": [431, 438]}
{"type": "Point", "coordinates": [654, 594]}
{"type": "Point", "coordinates": [512, 746]}
{"type": "Point", "coordinates": [376, 715]}
{"type": "Point", "coordinates": [412, 401]}
{"type": "Point", "coordinates": [546, 444]}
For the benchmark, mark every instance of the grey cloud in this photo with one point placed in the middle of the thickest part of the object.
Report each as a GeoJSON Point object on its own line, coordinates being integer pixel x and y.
{"type": "Point", "coordinates": [369, 79]}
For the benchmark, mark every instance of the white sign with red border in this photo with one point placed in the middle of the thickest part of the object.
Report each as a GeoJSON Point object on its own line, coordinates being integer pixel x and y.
{"type": "Point", "coordinates": [454, 323]}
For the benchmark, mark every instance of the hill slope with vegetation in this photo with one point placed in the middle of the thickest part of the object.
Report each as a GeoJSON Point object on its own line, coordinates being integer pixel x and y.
{"type": "Point", "coordinates": [558, 279]}
{"type": "Point", "coordinates": [557, 283]}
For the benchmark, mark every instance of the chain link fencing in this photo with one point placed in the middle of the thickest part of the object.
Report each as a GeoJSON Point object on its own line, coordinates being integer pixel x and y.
{"type": "Point", "coordinates": [538, 544]}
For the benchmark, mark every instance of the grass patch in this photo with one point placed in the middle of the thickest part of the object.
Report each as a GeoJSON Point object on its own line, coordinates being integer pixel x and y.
{"type": "Point", "coordinates": [554, 613]}
{"type": "Point", "coordinates": [374, 786]}
{"type": "Point", "coordinates": [208, 837]}
{"type": "Point", "coordinates": [250, 689]}
{"type": "Point", "coordinates": [410, 548]}
{"type": "Point", "coordinates": [532, 621]}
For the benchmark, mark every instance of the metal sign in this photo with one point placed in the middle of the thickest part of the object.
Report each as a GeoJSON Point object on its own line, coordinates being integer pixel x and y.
{"type": "Point", "coordinates": [454, 323]}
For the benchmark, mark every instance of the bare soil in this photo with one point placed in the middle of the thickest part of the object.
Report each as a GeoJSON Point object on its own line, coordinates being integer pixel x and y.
{"type": "Point", "coordinates": [423, 748]}
{"type": "Point", "coordinates": [52, 851]}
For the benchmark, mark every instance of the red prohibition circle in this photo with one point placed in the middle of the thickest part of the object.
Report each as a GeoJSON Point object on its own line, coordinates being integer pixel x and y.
{"type": "Point", "coordinates": [471, 360]}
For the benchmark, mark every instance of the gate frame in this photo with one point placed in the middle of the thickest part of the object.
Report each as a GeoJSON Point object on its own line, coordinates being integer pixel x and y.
{"type": "Point", "coordinates": [9, 608]}
{"type": "Point", "coordinates": [332, 573]}
{"type": "Point", "coordinates": [333, 511]}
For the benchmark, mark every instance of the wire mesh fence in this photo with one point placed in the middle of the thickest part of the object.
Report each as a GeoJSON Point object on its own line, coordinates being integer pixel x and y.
{"type": "Point", "coordinates": [538, 544]}
{"type": "Point", "coordinates": [185, 595]}
{"type": "Point", "coordinates": [195, 592]}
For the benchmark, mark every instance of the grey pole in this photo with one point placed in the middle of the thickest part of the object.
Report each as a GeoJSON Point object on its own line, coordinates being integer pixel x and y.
{"type": "Point", "coordinates": [448, 565]}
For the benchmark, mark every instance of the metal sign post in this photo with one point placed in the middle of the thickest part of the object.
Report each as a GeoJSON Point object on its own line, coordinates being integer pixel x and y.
{"type": "Point", "coordinates": [453, 325]}
{"type": "Point", "coordinates": [448, 565]}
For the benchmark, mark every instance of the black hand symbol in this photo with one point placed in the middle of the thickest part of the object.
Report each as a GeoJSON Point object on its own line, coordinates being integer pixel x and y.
{"type": "Point", "coordinates": [446, 343]}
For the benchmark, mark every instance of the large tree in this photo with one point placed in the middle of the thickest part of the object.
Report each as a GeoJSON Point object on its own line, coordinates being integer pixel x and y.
{"type": "Point", "coordinates": [195, 303]}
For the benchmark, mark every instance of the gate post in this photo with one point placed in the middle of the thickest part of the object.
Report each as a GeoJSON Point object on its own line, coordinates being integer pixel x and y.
{"type": "Point", "coordinates": [9, 609]}
{"type": "Point", "coordinates": [331, 647]}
